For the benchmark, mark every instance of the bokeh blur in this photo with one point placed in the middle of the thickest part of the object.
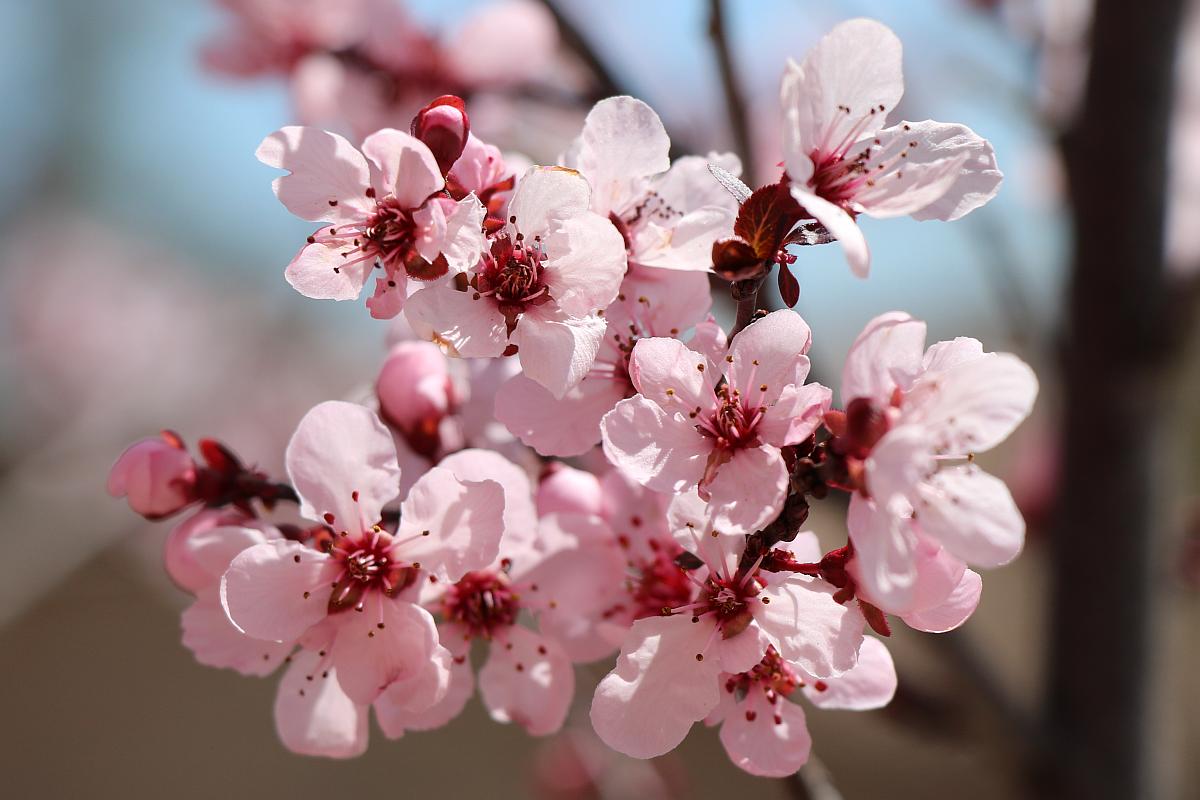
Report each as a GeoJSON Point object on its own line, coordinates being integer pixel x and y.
{"type": "Point", "coordinates": [141, 257]}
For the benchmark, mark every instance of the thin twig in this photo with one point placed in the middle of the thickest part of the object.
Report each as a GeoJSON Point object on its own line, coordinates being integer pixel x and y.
{"type": "Point", "coordinates": [735, 103]}
{"type": "Point", "coordinates": [813, 782]}
{"type": "Point", "coordinates": [745, 293]}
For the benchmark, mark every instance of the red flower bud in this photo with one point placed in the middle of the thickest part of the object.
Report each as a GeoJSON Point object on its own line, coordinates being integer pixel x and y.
{"type": "Point", "coordinates": [443, 126]}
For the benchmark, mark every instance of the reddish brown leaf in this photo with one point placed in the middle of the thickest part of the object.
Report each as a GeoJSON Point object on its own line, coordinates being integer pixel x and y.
{"type": "Point", "coordinates": [765, 219]}
{"type": "Point", "coordinates": [789, 287]}
{"type": "Point", "coordinates": [735, 260]}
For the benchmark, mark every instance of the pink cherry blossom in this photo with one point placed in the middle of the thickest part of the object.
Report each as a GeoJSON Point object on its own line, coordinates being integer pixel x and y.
{"type": "Point", "coordinates": [416, 393]}
{"type": "Point", "coordinates": [539, 288]}
{"type": "Point", "coordinates": [383, 212]}
{"type": "Point", "coordinates": [766, 734]}
{"type": "Point", "coordinates": [557, 568]}
{"type": "Point", "coordinates": [668, 675]}
{"type": "Point", "coordinates": [156, 476]}
{"type": "Point", "coordinates": [914, 420]}
{"type": "Point", "coordinates": [669, 213]}
{"type": "Point", "coordinates": [343, 465]}
{"type": "Point", "coordinates": [651, 303]}
{"type": "Point", "coordinates": [685, 428]}
{"type": "Point", "coordinates": [842, 161]}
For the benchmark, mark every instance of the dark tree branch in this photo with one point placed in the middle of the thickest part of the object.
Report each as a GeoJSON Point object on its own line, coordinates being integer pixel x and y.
{"type": "Point", "coordinates": [607, 84]}
{"type": "Point", "coordinates": [745, 294]}
{"type": "Point", "coordinates": [1115, 374]}
{"type": "Point", "coordinates": [735, 103]}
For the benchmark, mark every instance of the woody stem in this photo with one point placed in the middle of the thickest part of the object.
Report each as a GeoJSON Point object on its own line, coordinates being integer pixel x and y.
{"type": "Point", "coordinates": [745, 294]}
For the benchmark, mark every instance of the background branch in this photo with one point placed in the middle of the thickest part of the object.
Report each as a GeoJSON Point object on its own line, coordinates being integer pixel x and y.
{"type": "Point", "coordinates": [735, 103]}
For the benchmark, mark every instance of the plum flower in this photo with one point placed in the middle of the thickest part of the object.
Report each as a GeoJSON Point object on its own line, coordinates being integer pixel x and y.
{"type": "Point", "coordinates": [351, 594]}
{"type": "Point", "coordinates": [651, 303]}
{"type": "Point", "coordinates": [669, 214]}
{"type": "Point", "coordinates": [668, 675]}
{"type": "Point", "coordinates": [689, 427]}
{"type": "Point", "coordinates": [383, 210]}
{"type": "Point", "coordinates": [766, 734]}
{"type": "Point", "coordinates": [539, 288]}
{"type": "Point", "coordinates": [557, 568]}
{"type": "Point", "coordinates": [914, 420]}
{"type": "Point", "coordinates": [842, 161]}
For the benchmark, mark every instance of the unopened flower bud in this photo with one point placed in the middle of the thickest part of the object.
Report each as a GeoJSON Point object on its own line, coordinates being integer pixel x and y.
{"type": "Point", "coordinates": [155, 475]}
{"type": "Point", "coordinates": [443, 126]}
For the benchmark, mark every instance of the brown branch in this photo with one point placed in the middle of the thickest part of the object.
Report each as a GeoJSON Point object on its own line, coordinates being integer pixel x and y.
{"type": "Point", "coordinates": [735, 103]}
{"type": "Point", "coordinates": [812, 782]}
{"type": "Point", "coordinates": [745, 294]}
{"type": "Point", "coordinates": [607, 84]}
{"type": "Point", "coordinates": [1116, 367]}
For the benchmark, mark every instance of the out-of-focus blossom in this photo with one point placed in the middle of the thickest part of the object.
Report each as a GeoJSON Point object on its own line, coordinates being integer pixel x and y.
{"type": "Point", "coordinates": [686, 427]}
{"type": "Point", "coordinates": [842, 162]}
{"type": "Point", "coordinates": [539, 288]}
{"type": "Point", "coordinates": [383, 210]}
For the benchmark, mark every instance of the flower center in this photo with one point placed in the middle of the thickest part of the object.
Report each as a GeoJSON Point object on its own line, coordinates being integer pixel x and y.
{"type": "Point", "coordinates": [386, 235]}
{"type": "Point", "coordinates": [733, 423]}
{"type": "Point", "coordinates": [772, 676]}
{"type": "Point", "coordinates": [660, 584]}
{"type": "Point", "coordinates": [513, 273]}
{"type": "Point", "coordinates": [851, 167]}
{"type": "Point", "coordinates": [482, 603]}
{"type": "Point", "coordinates": [368, 564]}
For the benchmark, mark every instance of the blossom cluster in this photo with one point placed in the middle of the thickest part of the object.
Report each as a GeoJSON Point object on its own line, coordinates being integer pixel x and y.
{"type": "Point", "coordinates": [566, 459]}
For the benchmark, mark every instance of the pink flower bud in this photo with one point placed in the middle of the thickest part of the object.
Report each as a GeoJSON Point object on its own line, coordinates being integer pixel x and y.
{"type": "Point", "coordinates": [443, 126]}
{"type": "Point", "coordinates": [155, 475]}
{"type": "Point", "coordinates": [415, 392]}
{"type": "Point", "coordinates": [569, 490]}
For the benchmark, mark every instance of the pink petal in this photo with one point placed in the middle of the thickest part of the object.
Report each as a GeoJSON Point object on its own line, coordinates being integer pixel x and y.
{"type": "Point", "coordinates": [557, 350]}
{"type": "Point", "coordinates": [666, 372]}
{"type": "Point", "coordinates": [954, 611]}
{"type": "Point", "coordinates": [276, 590]}
{"type": "Point", "coordinates": [179, 560]}
{"type": "Point", "coordinates": [395, 719]}
{"type": "Point", "coordinates": [973, 514]}
{"type": "Point", "coordinates": [569, 490]}
{"type": "Point", "coordinates": [575, 578]}
{"type": "Point", "coordinates": [885, 546]}
{"type": "Point", "coordinates": [154, 476]}
{"type": "Point", "coordinates": [974, 405]}
{"type": "Point", "coordinates": [924, 175]}
{"type": "Point", "coordinates": [795, 415]}
{"type": "Point", "coordinates": [808, 627]}
{"type": "Point", "coordinates": [464, 240]}
{"type": "Point", "coordinates": [885, 355]}
{"type": "Point", "coordinates": [748, 491]}
{"type": "Point", "coordinates": [545, 196]}
{"type": "Point", "coordinates": [835, 95]}
{"type": "Point", "coordinates": [898, 462]}
{"type": "Point", "coordinates": [484, 465]}
{"type": "Point", "coordinates": [585, 262]}
{"type": "Point", "coordinates": [414, 384]}
{"type": "Point", "coordinates": [764, 739]}
{"type": "Point", "coordinates": [870, 684]}
{"type": "Point", "coordinates": [454, 526]}
{"type": "Point", "coordinates": [322, 272]}
{"type": "Point", "coordinates": [369, 658]}
{"type": "Point", "coordinates": [941, 356]}
{"type": "Point", "coordinates": [978, 178]}
{"type": "Point", "coordinates": [684, 245]}
{"type": "Point", "coordinates": [342, 461]}
{"type": "Point", "coordinates": [769, 352]}
{"type": "Point", "coordinates": [215, 642]}
{"type": "Point", "coordinates": [459, 322]}
{"type": "Point", "coordinates": [658, 689]}
{"type": "Point", "coordinates": [407, 168]}
{"type": "Point", "coordinates": [564, 427]}
{"type": "Point", "coordinates": [423, 690]}
{"type": "Point", "coordinates": [741, 652]}
{"type": "Point", "coordinates": [314, 717]}
{"type": "Point", "coordinates": [840, 226]}
{"type": "Point", "coordinates": [389, 296]}
{"type": "Point", "coordinates": [210, 550]}
{"type": "Point", "coordinates": [661, 303]}
{"type": "Point", "coordinates": [328, 178]}
{"type": "Point", "coordinates": [528, 680]}
{"type": "Point", "coordinates": [663, 452]}
{"type": "Point", "coordinates": [623, 141]}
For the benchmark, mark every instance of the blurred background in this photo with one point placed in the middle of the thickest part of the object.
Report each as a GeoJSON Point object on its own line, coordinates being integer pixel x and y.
{"type": "Point", "coordinates": [141, 252]}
